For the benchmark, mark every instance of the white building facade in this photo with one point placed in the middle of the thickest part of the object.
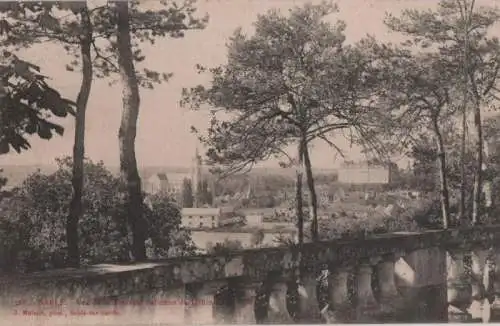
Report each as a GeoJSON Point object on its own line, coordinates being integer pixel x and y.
{"type": "Point", "coordinates": [207, 217]}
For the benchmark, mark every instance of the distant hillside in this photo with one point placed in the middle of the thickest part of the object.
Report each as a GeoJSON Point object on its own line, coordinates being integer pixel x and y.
{"type": "Point", "coordinates": [17, 173]}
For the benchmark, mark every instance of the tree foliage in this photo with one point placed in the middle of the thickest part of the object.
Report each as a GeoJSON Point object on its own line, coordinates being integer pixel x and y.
{"type": "Point", "coordinates": [257, 237]}
{"type": "Point", "coordinates": [460, 34]}
{"type": "Point", "coordinates": [187, 193]}
{"type": "Point", "coordinates": [166, 236]}
{"type": "Point", "coordinates": [225, 247]}
{"type": "Point", "coordinates": [32, 23]}
{"type": "Point", "coordinates": [33, 219]}
{"type": "Point", "coordinates": [28, 104]}
{"type": "Point", "coordinates": [273, 86]}
{"type": "Point", "coordinates": [290, 83]}
{"type": "Point", "coordinates": [205, 195]}
{"type": "Point", "coordinates": [90, 37]}
{"type": "Point", "coordinates": [425, 168]}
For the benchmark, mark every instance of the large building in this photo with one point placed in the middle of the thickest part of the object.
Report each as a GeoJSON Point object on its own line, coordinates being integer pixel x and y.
{"type": "Point", "coordinates": [163, 183]}
{"type": "Point", "coordinates": [256, 216]}
{"type": "Point", "coordinates": [173, 183]}
{"type": "Point", "coordinates": [208, 217]}
{"type": "Point", "coordinates": [367, 173]}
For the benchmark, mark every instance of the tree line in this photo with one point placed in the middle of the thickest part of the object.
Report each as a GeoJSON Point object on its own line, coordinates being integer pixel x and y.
{"type": "Point", "coordinates": [202, 196]}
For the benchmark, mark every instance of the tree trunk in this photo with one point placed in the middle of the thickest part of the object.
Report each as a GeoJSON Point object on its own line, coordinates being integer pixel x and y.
{"type": "Point", "coordinates": [128, 130]}
{"type": "Point", "coordinates": [298, 198]}
{"type": "Point", "coordinates": [477, 191]}
{"type": "Point", "coordinates": [313, 198]}
{"type": "Point", "coordinates": [466, 17]}
{"type": "Point", "coordinates": [445, 198]}
{"type": "Point", "coordinates": [461, 214]}
{"type": "Point", "coordinates": [76, 207]}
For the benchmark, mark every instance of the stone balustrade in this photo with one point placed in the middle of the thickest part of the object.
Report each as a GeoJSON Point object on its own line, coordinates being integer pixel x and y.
{"type": "Point", "coordinates": [433, 276]}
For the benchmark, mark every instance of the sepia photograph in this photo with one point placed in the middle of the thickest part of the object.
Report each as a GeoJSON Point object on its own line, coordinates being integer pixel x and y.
{"type": "Point", "coordinates": [202, 162]}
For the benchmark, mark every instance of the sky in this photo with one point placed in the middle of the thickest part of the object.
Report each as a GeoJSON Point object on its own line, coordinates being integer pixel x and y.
{"type": "Point", "coordinates": [163, 136]}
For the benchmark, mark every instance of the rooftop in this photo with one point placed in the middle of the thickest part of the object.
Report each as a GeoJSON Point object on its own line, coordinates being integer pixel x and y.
{"type": "Point", "coordinates": [258, 211]}
{"type": "Point", "coordinates": [201, 211]}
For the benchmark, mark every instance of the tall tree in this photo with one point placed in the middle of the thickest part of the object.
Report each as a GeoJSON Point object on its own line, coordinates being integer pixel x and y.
{"type": "Point", "coordinates": [453, 27]}
{"type": "Point", "coordinates": [34, 23]}
{"type": "Point", "coordinates": [204, 193]}
{"type": "Point", "coordinates": [423, 87]}
{"type": "Point", "coordinates": [466, 15]}
{"type": "Point", "coordinates": [128, 18]}
{"type": "Point", "coordinates": [128, 130]}
{"type": "Point", "coordinates": [290, 84]}
{"type": "Point", "coordinates": [76, 206]}
{"type": "Point", "coordinates": [91, 42]}
{"type": "Point", "coordinates": [187, 193]}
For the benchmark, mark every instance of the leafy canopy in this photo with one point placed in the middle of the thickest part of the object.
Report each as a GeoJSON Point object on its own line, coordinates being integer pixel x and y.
{"type": "Point", "coordinates": [34, 218]}
{"type": "Point", "coordinates": [293, 80]}
{"type": "Point", "coordinates": [448, 32]}
{"type": "Point", "coordinates": [27, 104]}
{"type": "Point", "coordinates": [31, 23]}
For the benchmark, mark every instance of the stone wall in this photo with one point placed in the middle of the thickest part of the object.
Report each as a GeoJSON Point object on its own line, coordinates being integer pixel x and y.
{"type": "Point", "coordinates": [385, 278]}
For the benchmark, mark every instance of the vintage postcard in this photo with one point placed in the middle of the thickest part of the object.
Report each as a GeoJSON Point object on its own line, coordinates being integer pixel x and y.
{"type": "Point", "coordinates": [205, 162]}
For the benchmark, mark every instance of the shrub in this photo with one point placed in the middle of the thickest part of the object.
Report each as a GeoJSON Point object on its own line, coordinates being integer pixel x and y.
{"type": "Point", "coordinates": [362, 225]}
{"type": "Point", "coordinates": [33, 220]}
{"type": "Point", "coordinates": [225, 247]}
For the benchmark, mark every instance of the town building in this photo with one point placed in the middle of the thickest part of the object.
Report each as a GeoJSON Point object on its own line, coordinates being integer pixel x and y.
{"type": "Point", "coordinates": [254, 219]}
{"type": "Point", "coordinates": [162, 183]}
{"type": "Point", "coordinates": [255, 216]}
{"type": "Point", "coordinates": [173, 183]}
{"type": "Point", "coordinates": [208, 217]}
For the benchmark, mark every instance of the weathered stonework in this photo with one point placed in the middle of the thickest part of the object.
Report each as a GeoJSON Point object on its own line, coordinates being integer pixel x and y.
{"type": "Point", "coordinates": [416, 260]}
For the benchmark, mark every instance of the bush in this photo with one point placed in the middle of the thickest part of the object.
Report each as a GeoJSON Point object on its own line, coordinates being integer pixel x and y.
{"type": "Point", "coordinates": [257, 237]}
{"type": "Point", "coordinates": [166, 237]}
{"type": "Point", "coordinates": [225, 247]}
{"type": "Point", "coordinates": [359, 226]}
{"type": "Point", "coordinates": [33, 221]}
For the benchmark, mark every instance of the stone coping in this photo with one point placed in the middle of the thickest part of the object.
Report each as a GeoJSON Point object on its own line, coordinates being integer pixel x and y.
{"type": "Point", "coordinates": [108, 280]}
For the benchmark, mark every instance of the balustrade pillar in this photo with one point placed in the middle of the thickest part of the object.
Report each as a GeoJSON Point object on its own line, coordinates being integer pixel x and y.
{"type": "Point", "coordinates": [458, 281]}
{"type": "Point", "coordinates": [496, 275]}
{"type": "Point", "coordinates": [244, 308]}
{"type": "Point", "coordinates": [366, 306]}
{"type": "Point", "coordinates": [421, 277]}
{"type": "Point", "coordinates": [478, 259]}
{"type": "Point", "coordinates": [390, 299]}
{"type": "Point", "coordinates": [479, 308]}
{"type": "Point", "coordinates": [308, 299]}
{"type": "Point", "coordinates": [277, 312]}
{"type": "Point", "coordinates": [201, 304]}
{"type": "Point", "coordinates": [338, 288]}
{"type": "Point", "coordinates": [340, 308]}
{"type": "Point", "coordinates": [496, 283]}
